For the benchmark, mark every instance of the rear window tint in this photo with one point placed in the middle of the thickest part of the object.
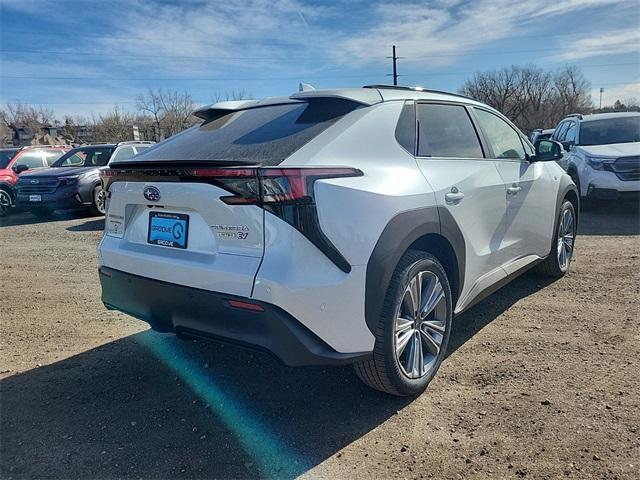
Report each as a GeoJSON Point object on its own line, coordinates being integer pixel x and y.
{"type": "Point", "coordinates": [261, 136]}
{"type": "Point", "coordinates": [446, 131]}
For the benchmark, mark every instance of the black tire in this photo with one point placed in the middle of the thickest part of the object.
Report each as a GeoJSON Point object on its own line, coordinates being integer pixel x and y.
{"type": "Point", "coordinates": [6, 202]}
{"type": "Point", "coordinates": [552, 266]}
{"type": "Point", "coordinates": [385, 371]}
{"type": "Point", "coordinates": [97, 208]}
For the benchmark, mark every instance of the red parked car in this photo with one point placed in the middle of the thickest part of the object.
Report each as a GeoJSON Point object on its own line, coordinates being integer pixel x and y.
{"type": "Point", "coordinates": [15, 160]}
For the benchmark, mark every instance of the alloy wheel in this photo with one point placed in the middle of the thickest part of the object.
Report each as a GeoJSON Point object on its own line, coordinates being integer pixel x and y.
{"type": "Point", "coordinates": [5, 202]}
{"type": "Point", "coordinates": [420, 325]}
{"type": "Point", "coordinates": [566, 238]}
{"type": "Point", "coordinates": [100, 198]}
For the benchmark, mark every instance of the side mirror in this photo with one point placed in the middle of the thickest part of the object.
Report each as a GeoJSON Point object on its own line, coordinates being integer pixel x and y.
{"type": "Point", "coordinates": [20, 168]}
{"type": "Point", "coordinates": [548, 151]}
{"type": "Point", "coordinates": [567, 145]}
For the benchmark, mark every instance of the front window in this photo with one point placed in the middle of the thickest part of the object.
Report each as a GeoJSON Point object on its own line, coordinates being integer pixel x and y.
{"type": "Point", "coordinates": [6, 156]}
{"type": "Point", "coordinates": [85, 157]}
{"type": "Point", "coordinates": [503, 139]}
{"type": "Point", "coordinates": [610, 130]}
{"type": "Point", "coordinates": [30, 159]}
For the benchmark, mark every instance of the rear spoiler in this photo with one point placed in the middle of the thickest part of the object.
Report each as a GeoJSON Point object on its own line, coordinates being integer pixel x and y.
{"type": "Point", "coordinates": [363, 96]}
{"type": "Point", "coordinates": [220, 109]}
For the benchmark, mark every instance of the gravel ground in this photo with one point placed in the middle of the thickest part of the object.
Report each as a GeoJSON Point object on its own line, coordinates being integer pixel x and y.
{"type": "Point", "coordinates": [541, 381]}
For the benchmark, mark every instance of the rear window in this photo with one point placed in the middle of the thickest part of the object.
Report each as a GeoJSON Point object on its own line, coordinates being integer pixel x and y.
{"type": "Point", "coordinates": [85, 157]}
{"type": "Point", "coordinates": [446, 131]}
{"type": "Point", "coordinates": [259, 136]}
{"type": "Point", "coordinates": [610, 130]}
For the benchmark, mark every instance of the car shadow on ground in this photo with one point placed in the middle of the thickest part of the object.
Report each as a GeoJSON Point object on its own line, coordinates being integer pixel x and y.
{"type": "Point", "coordinates": [150, 405]}
{"type": "Point", "coordinates": [95, 225]}
{"type": "Point", "coordinates": [28, 218]}
{"type": "Point", "coordinates": [610, 218]}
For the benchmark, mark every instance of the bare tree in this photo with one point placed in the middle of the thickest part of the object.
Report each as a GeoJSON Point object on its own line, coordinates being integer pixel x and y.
{"type": "Point", "coordinates": [235, 94]}
{"type": "Point", "coordinates": [530, 96]}
{"type": "Point", "coordinates": [30, 118]}
{"type": "Point", "coordinates": [171, 111]}
{"type": "Point", "coordinates": [115, 126]}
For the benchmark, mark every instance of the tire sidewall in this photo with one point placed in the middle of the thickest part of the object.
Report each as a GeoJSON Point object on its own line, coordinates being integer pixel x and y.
{"type": "Point", "coordinates": [566, 205]}
{"type": "Point", "coordinates": [401, 382]}
{"type": "Point", "coordinates": [96, 190]}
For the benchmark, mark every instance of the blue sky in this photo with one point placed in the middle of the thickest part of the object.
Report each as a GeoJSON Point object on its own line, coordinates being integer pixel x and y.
{"type": "Point", "coordinates": [83, 57]}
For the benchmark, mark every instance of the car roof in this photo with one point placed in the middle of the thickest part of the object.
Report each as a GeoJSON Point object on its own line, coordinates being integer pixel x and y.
{"type": "Point", "coordinates": [367, 95]}
{"type": "Point", "coordinates": [603, 116]}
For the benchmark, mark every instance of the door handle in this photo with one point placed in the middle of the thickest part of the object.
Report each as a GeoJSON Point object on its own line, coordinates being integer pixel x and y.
{"type": "Point", "coordinates": [454, 196]}
{"type": "Point", "coordinates": [513, 190]}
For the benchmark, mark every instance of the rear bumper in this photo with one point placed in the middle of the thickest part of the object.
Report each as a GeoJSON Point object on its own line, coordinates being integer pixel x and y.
{"type": "Point", "coordinates": [188, 311]}
{"type": "Point", "coordinates": [52, 201]}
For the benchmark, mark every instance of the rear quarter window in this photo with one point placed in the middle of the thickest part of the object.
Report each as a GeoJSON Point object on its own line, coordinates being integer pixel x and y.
{"type": "Point", "coordinates": [259, 136]}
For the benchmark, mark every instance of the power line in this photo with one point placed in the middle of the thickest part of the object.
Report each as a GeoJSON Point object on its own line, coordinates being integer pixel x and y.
{"type": "Point", "coordinates": [147, 38]}
{"type": "Point", "coordinates": [115, 102]}
{"type": "Point", "coordinates": [291, 77]}
{"type": "Point", "coordinates": [284, 57]}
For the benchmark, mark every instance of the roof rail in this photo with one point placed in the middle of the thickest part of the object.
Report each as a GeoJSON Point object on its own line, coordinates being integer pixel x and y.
{"type": "Point", "coordinates": [26, 147]}
{"type": "Point", "coordinates": [574, 115]}
{"type": "Point", "coordinates": [417, 89]}
{"type": "Point", "coordinates": [135, 142]}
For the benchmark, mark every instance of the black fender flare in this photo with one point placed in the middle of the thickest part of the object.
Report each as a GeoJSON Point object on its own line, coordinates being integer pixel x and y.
{"type": "Point", "coordinates": [398, 235]}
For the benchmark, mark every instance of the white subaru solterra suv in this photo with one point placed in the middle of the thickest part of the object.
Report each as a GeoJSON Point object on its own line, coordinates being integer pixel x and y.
{"type": "Point", "coordinates": [334, 226]}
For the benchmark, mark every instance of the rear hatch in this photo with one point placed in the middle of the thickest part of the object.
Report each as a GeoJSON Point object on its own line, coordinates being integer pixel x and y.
{"type": "Point", "coordinates": [189, 210]}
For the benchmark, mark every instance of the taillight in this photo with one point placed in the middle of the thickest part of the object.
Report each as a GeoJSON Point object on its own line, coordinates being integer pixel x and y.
{"type": "Point", "coordinates": [285, 192]}
{"type": "Point", "coordinates": [270, 186]}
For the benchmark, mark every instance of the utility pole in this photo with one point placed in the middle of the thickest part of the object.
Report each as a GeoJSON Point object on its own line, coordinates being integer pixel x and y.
{"type": "Point", "coordinates": [395, 71]}
{"type": "Point", "coordinates": [601, 91]}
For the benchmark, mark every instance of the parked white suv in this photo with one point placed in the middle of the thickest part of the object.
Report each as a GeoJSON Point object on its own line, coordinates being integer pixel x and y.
{"type": "Point", "coordinates": [602, 154]}
{"type": "Point", "coordinates": [334, 226]}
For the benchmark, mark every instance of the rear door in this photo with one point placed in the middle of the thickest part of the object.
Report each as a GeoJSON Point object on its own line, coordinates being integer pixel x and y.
{"type": "Point", "coordinates": [468, 186]}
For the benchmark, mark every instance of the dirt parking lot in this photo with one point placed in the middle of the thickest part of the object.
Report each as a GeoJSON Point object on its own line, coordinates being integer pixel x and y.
{"type": "Point", "coordinates": [541, 381]}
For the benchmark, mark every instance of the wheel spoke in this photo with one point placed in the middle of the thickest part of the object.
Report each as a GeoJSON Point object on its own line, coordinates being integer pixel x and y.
{"type": "Point", "coordinates": [431, 343]}
{"type": "Point", "coordinates": [437, 326]}
{"type": "Point", "coordinates": [433, 295]}
{"type": "Point", "coordinates": [417, 363]}
{"type": "Point", "coordinates": [415, 288]}
{"type": "Point", "coordinates": [403, 324]}
{"type": "Point", "coordinates": [402, 340]}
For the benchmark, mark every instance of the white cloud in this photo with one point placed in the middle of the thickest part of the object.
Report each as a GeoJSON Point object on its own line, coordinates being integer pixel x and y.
{"type": "Point", "coordinates": [444, 30]}
{"type": "Point", "coordinates": [619, 92]}
{"type": "Point", "coordinates": [606, 43]}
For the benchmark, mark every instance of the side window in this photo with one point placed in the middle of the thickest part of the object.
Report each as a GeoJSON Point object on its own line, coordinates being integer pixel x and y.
{"type": "Point", "coordinates": [446, 131]}
{"type": "Point", "coordinates": [75, 160]}
{"type": "Point", "coordinates": [570, 135]}
{"type": "Point", "coordinates": [504, 140]}
{"type": "Point", "coordinates": [141, 148]}
{"type": "Point", "coordinates": [51, 156]}
{"type": "Point", "coordinates": [406, 128]}
{"type": "Point", "coordinates": [124, 153]}
{"type": "Point", "coordinates": [31, 160]}
{"type": "Point", "coordinates": [559, 131]}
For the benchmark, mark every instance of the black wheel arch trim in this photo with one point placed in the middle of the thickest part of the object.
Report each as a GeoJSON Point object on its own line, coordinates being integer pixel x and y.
{"type": "Point", "coordinates": [398, 235]}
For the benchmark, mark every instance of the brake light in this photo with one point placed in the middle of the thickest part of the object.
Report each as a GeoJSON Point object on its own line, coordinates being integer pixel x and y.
{"type": "Point", "coordinates": [270, 186]}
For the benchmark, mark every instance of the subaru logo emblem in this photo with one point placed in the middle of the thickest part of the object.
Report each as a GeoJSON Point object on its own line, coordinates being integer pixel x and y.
{"type": "Point", "coordinates": [34, 181]}
{"type": "Point", "coordinates": [152, 194]}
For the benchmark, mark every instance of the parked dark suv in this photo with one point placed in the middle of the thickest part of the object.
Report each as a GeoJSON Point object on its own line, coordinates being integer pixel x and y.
{"type": "Point", "coordinates": [15, 160]}
{"type": "Point", "coordinates": [74, 180]}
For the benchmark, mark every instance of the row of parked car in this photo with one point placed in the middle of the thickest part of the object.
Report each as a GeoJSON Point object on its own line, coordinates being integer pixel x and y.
{"type": "Point", "coordinates": [44, 178]}
{"type": "Point", "coordinates": [601, 154]}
